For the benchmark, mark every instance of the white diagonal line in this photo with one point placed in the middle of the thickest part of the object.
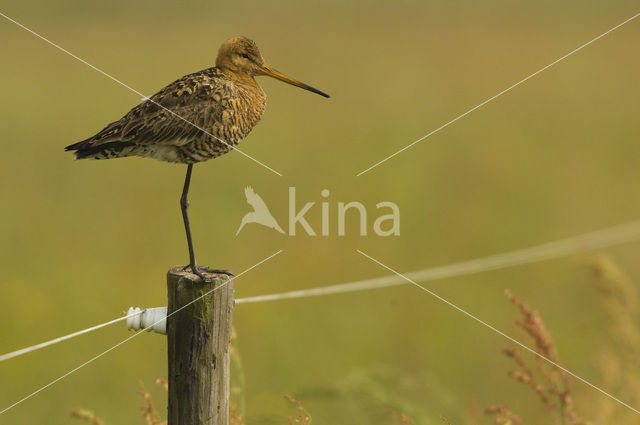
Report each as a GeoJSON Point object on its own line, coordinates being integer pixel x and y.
{"type": "Point", "coordinates": [136, 334]}
{"type": "Point", "coordinates": [499, 332]}
{"type": "Point", "coordinates": [136, 92]}
{"type": "Point", "coordinates": [498, 95]}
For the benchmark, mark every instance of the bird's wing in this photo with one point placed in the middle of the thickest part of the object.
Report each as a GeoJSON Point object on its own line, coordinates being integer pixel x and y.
{"type": "Point", "coordinates": [255, 200]}
{"type": "Point", "coordinates": [197, 98]}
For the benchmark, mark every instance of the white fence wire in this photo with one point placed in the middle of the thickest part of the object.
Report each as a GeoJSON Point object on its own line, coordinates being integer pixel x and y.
{"type": "Point", "coordinates": [611, 236]}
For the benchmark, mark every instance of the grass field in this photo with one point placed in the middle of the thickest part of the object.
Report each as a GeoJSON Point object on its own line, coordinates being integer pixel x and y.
{"type": "Point", "coordinates": [555, 157]}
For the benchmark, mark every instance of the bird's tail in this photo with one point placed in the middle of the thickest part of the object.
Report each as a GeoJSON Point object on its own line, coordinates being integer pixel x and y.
{"type": "Point", "coordinates": [88, 149]}
{"type": "Point", "coordinates": [277, 227]}
{"type": "Point", "coordinates": [242, 223]}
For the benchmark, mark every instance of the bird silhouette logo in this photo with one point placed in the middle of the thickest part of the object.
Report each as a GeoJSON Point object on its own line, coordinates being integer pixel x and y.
{"type": "Point", "coordinates": [260, 213]}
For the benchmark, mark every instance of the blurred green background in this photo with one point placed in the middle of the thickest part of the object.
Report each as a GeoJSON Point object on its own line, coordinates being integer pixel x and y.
{"type": "Point", "coordinates": [82, 241]}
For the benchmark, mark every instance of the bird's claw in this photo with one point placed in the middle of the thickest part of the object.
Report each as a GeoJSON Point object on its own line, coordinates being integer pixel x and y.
{"type": "Point", "coordinates": [221, 271]}
{"type": "Point", "coordinates": [196, 270]}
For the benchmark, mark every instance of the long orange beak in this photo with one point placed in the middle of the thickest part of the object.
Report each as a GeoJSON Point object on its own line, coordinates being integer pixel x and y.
{"type": "Point", "coordinates": [267, 70]}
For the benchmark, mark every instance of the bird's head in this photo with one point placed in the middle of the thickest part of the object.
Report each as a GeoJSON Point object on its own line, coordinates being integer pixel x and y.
{"type": "Point", "coordinates": [241, 55]}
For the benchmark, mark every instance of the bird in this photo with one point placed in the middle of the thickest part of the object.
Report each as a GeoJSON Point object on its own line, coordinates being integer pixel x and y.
{"type": "Point", "coordinates": [198, 117]}
{"type": "Point", "coordinates": [260, 213]}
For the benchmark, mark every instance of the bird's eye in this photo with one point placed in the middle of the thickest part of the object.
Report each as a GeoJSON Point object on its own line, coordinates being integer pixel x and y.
{"type": "Point", "coordinates": [244, 55]}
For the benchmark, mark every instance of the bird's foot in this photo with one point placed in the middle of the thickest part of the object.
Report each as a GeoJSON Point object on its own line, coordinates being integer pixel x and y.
{"type": "Point", "coordinates": [197, 270]}
{"type": "Point", "coordinates": [221, 271]}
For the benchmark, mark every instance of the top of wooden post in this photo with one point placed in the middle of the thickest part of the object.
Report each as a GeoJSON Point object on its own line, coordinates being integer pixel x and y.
{"type": "Point", "coordinates": [180, 272]}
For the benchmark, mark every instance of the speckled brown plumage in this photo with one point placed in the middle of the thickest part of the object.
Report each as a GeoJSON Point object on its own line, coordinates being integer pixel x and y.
{"type": "Point", "coordinates": [197, 117]}
{"type": "Point", "coordinates": [220, 103]}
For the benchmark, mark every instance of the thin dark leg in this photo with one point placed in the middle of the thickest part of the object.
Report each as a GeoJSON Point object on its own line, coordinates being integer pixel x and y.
{"type": "Point", "coordinates": [184, 205]}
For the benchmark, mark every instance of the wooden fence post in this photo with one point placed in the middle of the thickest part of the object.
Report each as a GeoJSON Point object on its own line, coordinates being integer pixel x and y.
{"type": "Point", "coordinates": [198, 344]}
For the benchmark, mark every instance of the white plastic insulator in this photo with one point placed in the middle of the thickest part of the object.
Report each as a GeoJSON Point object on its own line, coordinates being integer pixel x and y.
{"type": "Point", "coordinates": [150, 319]}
